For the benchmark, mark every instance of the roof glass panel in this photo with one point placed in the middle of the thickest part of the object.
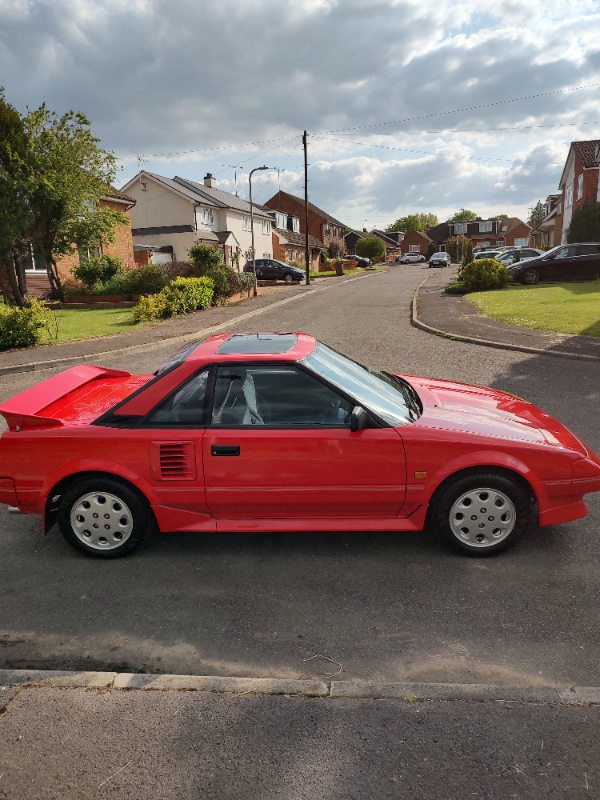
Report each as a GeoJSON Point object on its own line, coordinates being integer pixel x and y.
{"type": "Point", "coordinates": [255, 343]}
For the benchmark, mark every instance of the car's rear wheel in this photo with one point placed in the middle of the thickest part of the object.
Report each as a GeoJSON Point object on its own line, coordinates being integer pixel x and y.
{"type": "Point", "coordinates": [103, 517]}
{"type": "Point", "coordinates": [530, 277]}
{"type": "Point", "coordinates": [481, 514]}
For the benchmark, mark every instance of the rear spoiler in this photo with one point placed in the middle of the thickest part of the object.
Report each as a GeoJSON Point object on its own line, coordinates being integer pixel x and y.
{"type": "Point", "coordinates": [24, 410]}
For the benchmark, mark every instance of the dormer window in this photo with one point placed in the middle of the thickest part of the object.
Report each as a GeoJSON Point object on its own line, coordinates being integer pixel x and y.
{"type": "Point", "coordinates": [280, 220]}
{"type": "Point", "coordinates": [485, 227]}
{"type": "Point", "coordinates": [296, 224]}
{"type": "Point", "coordinates": [460, 227]}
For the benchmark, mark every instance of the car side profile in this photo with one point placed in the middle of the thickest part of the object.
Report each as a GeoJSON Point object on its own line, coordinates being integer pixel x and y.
{"type": "Point", "coordinates": [410, 258]}
{"type": "Point", "coordinates": [278, 432]}
{"type": "Point", "coordinates": [566, 262]}
{"type": "Point", "coordinates": [273, 270]}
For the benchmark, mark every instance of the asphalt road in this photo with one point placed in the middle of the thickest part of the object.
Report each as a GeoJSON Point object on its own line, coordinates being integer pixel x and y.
{"type": "Point", "coordinates": [392, 607]}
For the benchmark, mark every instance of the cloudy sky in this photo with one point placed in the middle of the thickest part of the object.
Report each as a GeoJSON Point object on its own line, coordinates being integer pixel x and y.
{"type": "Point", "coordinates": [411, 105]}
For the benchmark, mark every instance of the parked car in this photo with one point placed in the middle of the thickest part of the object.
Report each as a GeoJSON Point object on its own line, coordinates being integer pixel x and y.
{"type": "Point", "coordinates": [510, 257]}
{"type": "Point", "coordinates": [277, 432]}
{"type": "Point", "coordinates": [360, 261]}
{"type": "Point", "coordinates": [566, 262]}
{"type": "Point", "coordinates": [486, 254]}
{"type": "Point", "coordinates": [439, 260]}
{"type": "Point", "coordinates": [410, 258]}
{"type": "Point", "coordinates": [270, 269]}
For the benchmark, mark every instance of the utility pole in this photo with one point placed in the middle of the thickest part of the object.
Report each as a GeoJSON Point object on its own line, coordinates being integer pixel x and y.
{"type": "Point", "coordinates": [306, 247]}
{"type": "Point", "coordinates": [257, 169]}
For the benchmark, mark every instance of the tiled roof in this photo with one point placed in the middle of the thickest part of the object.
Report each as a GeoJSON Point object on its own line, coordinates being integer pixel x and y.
{"type": "Point", "coordinates": [439, 233]}
{"type": "Point", "coordinates": [587, 152]}
{"type": "Point", "coordinates": [111, 191]}
{"type": "Point", "coordinates": [219, 198]}
{"type": "Point", "coordinates": [181, 189]}
{"type": "Point", "coordinates": [300, 239]}
{"type": "Point", "coordinates": [387, 239]}
{"type": "Point", "coordinates": [311, 206]}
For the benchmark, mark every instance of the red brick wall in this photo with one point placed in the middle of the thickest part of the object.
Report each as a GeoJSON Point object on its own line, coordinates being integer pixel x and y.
{"type": "Point", "coordinates": [316, 223]}
{"type": "Point", "coordinates": [590, 184]}
{"type": "Point", "coordinates": [414, 238]}
{"type": "Point", "coordinates": [520, 232]}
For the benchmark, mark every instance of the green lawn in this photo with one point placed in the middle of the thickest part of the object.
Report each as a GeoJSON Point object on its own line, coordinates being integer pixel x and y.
{"type": "Point", "coordinates": [563, 307]}
{"type": "Point", "coordinates": [86, 322]}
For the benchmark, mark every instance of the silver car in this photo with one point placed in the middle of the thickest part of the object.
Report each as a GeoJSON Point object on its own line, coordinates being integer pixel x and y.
{"type": "Point", "coordinates": [410, 258]}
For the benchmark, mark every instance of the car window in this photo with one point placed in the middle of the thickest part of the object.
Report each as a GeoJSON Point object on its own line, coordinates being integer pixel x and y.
{"type": "Point", "coordinates": [565, 252]}
{"type": "Point", "coordinates": [587, 249]}
{"type": "Point", "coordinates": [393, 401]}
{"type": "Point", "coordinates": [185, 406]}
{"type": "Point", "coordinates": [275, 395]}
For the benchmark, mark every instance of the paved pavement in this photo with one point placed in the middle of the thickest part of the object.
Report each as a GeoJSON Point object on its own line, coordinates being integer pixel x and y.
{"type": "Point", "coordinates": [77, 744]}
{"type": "Point", "coordinates": [456, 316]}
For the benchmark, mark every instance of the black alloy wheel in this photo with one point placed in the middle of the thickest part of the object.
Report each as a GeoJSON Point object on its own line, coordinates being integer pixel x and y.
{"type": "Point", "coordinates": [288, 277]}
{"type": "Point", "coordinates": [530, 277]}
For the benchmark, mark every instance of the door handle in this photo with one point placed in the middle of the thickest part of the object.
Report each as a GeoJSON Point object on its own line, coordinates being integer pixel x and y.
{"type": "Point", "coordinates": [225, 450]}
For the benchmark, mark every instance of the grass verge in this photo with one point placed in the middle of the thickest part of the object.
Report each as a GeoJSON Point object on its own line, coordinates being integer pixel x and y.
{"type": "Point", "coordinates": [87, 322]}
{"type": "Point", "coordinates": [572, 308]}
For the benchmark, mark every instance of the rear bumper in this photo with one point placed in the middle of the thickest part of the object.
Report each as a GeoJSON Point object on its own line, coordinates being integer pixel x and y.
{"type": "Point", "coordinates": [8, 493]}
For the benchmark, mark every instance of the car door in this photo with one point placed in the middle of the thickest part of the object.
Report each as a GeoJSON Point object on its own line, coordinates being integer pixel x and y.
{"type": "Point", "coordinates": [561, 266]}
{"type": "Point", "coordinates": [175, 429]}
{"type": "Point", "coordinates": [279, 446]}
{"type": "Point", "coordinates": [587, 261]}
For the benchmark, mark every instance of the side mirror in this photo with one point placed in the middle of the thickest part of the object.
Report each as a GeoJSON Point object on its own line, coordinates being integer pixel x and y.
{"type": "Point", "coordinates": [358, 419]}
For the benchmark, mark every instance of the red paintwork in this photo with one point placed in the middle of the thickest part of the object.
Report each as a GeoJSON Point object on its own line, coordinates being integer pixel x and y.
{"type": "Point", "coordinates": [285, 480]}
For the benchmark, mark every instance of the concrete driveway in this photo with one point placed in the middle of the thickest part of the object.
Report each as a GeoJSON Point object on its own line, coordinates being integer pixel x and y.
{"type": "Point", "coordinates": [394, 607]}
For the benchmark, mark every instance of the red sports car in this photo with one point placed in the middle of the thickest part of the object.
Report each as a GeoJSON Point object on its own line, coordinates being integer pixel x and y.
{"type": "Point", "coordinates": [277, 432]}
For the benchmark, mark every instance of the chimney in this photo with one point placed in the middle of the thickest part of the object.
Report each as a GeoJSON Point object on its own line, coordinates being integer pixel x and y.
{"type": "Point", "coordinates": [210, 181]}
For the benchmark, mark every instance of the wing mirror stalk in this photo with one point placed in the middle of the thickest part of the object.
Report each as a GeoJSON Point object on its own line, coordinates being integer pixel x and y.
{"type": "Point", "coordinates": [359, 419]}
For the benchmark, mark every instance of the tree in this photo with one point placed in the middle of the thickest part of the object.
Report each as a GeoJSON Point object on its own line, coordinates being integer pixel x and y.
{"type": "Point", "coordinates": [467, 252]}
{"type": "Point", "coordinates": [457, 245]}
{"type": "Point", "coordinates": [71, 173]}
{"type": "Point", "coordinates": [536, 214]}
{"type": "Point", "coordinates": [335, 249]}
{"type": "Point", "coordinates": [464, 215]}
{"type": "Point", "coordinates": [414, 222]}
{"type": "Point", "coordinates": [500, 216]}
{"type": "Point", "coordinates": [370, 247]}
{"type": "Point", "coordinates": [585, 223]}
{"type": "Point", "coordinates": [15, 183]}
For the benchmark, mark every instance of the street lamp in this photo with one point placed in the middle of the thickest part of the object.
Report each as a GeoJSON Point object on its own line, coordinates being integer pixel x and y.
{"type": "Point", "coordinates": [256, 169]}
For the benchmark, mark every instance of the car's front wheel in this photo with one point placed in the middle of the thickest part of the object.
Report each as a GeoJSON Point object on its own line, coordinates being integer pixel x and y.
{"type": "Point", "coordinates": [481, 514]}
{"type": "Point", "coordinates": [103, 517]}
{"type": "Point", "coordinates": [530, 277]}
{"type": "Point", "coordinates": [288, 278]}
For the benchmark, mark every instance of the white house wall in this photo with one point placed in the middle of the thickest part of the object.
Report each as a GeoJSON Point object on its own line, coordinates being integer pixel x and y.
{"type": "Point", "coordinates": [263, 242]}
{"type": "Point", "coordinates": [568, 210]}
{"type": "Point", "coordinates": [158, 206]}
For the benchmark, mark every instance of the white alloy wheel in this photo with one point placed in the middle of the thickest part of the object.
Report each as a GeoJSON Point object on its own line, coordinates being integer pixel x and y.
{"type": "Point", "coordinates": [482, 517]}
{"type": "Point", "coordinates": [101, 520]}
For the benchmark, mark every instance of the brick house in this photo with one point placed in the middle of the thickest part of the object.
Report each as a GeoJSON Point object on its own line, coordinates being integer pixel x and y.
{"type": "Point", "coordinates": [289, 244]}
{"type": "Point", "coordinates": [483, 232]}
{"type": "Point", "coordinates": [416, 242]}
{"type": "Point", "coordinates": [321, 225]}
{"type": "Point", "coordinates": [38, 284]}
{"type": "Point", "coordinates": [578, 183]}
{"type": "Point", "coordinates": [544, 233]}
{"type": "Point", "coordinates": [392, 244]}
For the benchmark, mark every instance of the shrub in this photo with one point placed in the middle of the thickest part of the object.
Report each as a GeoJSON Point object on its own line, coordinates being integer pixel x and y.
{"type": "Point", "coordinates": [456, 288]}
{"type": "Point", "coordinates": [180, 297]}
{"type": "Point", "coordinates": [181, 269]}
{"type": "Point", "coordinates": [146, 279]}
{"type": "Point", "coordinates": [93, 271]}
{"type": "Point", "coordinates": [370, 247]}
{"type": "Point", "coordinates": [205, 256]}
{"type": "Point", "coordinates": [22, 327]}
{"type": "Point", "coordinates": [484, 274]}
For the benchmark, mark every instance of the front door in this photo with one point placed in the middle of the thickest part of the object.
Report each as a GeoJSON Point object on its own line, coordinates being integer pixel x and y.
{"type": "Point", "coordinates": [280, 446]}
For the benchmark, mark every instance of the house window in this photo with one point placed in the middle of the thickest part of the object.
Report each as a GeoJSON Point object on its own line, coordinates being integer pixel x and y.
{"type": "Point", "coordinates": [500, 242]}
{"type": "Point", "coordinates": [580, 187]}
{"type": "Point", "coordinates": [290, 255]}
{"type": "Point", "coordinates": [414, 248]}
{"type": "Point", "coordinates": [296, 224]}
{"type": "Point", "coordinates": [484, 227]}
{"type": "Point", "coordinates": [296, 259]}
{"type": "Point", "coordinates": [207, 216]}
{"type": "Point", "coordinates": [281, 220]}
{"type": "Point", "coordinates": [504, 228]}
{"type": "Point", "coordinates": [327, 229]}
{"type": "Point", "coordinates": [460, 228]}
{"type": "Point", "coordinates": [483, 244]}
{"type": "Point", "coordinates": [266, 255]}
{"type": "Point", "coordinates": [569, 195]}
{"type": "Point", "coordinates": [245, 223]}
{"type": "Point", "coordinates": [34, 261]}
{"type": "Point", "coordinates": [521, 242]}
{"type": "Point", "coordinates": [266, 226]}
{"type": "Point", "coordinates": [442, 248]}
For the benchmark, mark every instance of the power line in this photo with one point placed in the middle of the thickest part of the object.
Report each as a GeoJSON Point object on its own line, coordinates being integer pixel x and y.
{"type": "Point", "coordinates": [468, 108]}
{"type": "Point", "coordinates": [478, 130]}
{"type": "Point", "coordinates": [443, 155]}
{"type": "Point", "coordinates": [210, 149]}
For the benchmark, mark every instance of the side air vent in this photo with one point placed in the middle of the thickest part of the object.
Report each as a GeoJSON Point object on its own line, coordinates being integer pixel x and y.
{"type": "Point", "coordinates": [173, 461]}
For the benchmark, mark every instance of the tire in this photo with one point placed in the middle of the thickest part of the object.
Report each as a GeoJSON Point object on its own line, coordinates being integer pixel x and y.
{"type": "Point", "coordinates": [500, 513]}
{"type": "Point", "coordinates": [120, 510]}
{"type": "Point", "coordinates": [530, 277]}
{"type": "Point", "coordinates": [288, 278]}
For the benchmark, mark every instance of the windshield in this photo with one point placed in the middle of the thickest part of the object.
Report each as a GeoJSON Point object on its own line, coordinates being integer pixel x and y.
{"type": "Point", "coordinates": [393, 400]}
